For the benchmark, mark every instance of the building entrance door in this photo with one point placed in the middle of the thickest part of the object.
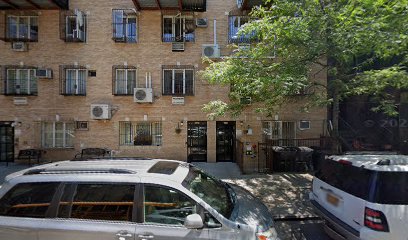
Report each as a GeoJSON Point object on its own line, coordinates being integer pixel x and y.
{"type": "Point", "coordinates": [197, 141]}
{"type": "Point", "coordinates": [6, 142]}
{"type": "Point", "coordinates": [225, 141]}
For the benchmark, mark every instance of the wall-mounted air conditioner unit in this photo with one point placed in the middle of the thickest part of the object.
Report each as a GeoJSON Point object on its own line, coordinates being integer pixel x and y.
{"type": "Point", "coordinates": [19, 46]}
{"type": "Point", "coordinates": [177, 46]}
{"type": "Point", "coordinates": [244, 47]}
{"type": "Point", "coordinates": [211, 50]}
{"type": "Point", "coordinates": [100, 111]}
{"type": "Point", "coordinates": [202, 22]}
{"type": "Point", "coordinates": [143, 95]}
{"type": "Point", "coordinates": [43, 73]}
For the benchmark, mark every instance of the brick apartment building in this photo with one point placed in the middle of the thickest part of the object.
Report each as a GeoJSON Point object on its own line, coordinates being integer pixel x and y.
{"type": "Point", "coordinates": [123, 75]}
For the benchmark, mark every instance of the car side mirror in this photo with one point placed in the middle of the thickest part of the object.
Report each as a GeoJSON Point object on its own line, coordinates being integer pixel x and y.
{"type": "Point", "coordinates": [193, 221]}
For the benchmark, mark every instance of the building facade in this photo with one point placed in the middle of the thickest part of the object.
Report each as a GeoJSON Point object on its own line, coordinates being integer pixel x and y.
{"type": "Point", "coordinates": [123, 75]}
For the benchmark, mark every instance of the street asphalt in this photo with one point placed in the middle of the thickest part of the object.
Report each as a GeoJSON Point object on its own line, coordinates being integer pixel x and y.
{"type": "Point", "coordinates": [285, 194]}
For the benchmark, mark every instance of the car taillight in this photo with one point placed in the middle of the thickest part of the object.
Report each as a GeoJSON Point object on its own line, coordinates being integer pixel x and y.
{"type": "Point", "coordinates": [375, 220]}
{"type": "Point", "coordinates": [345, 162]}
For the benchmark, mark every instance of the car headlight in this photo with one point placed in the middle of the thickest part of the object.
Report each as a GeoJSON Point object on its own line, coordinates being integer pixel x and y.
{"type": "Point", "coordinates": [271, 234]}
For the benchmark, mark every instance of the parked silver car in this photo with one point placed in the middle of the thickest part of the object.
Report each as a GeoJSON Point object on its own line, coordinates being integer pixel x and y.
{"type": "Point", "coordinates": [127, 199]}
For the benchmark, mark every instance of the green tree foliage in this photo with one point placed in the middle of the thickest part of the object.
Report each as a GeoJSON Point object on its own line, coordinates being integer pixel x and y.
{"type": "Point", "coordinates": [362, 44]}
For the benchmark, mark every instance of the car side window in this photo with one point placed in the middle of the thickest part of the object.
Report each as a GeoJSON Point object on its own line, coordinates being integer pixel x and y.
{"type": "Point", "coordinates": [112, 202]}
{"type": "Point", "coordinates": [28, 200]}
{"type": "Point", "coordinates": [166, 206]}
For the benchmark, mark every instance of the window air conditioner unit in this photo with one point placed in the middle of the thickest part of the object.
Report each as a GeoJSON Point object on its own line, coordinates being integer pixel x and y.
{"type": "Point", "coordinates": [202, 22]}
{"type": "Point", "coordinates": [43, 73]}
{"type": "Point", "coordinates": [177, 46]}
{"type": "Point", "coordinates": [143, 95]}
{"type": "Point", "coordinates": [211, 50]}
{"type": "Point", "coordinates": [100, 111]}
{"type": "Point", "coordinates": [19, 46]}
{"type": "Point", "coordinates": [244, 47]}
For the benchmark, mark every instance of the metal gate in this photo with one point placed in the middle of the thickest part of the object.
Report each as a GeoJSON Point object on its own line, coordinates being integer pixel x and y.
{"type": "Point", "coordinates": [225, 141]}
{"type": "Point", "coordinates": [197, 141]}
{"type": "Point", "coordinates": [6, 142]}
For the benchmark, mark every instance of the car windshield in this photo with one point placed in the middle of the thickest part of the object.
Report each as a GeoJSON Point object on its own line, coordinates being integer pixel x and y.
{"type": "Point", "coordinates": [214, 192]}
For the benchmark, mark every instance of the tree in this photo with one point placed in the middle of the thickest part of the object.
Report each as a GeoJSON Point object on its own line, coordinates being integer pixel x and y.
{"type": "Point", "coordinates": [348, 38]}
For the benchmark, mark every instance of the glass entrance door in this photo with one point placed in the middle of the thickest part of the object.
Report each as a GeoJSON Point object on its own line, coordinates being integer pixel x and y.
{"type": "Point", "coordinates": [6, 142]}
{"type": "Point", "coordinates": [197, 141]}
{"type": "Point", "coordinates": [225, 141]}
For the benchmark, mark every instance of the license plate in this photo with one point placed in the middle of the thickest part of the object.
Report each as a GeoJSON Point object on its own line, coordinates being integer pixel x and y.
{"type": "Point", "coordinates": [333, 200]}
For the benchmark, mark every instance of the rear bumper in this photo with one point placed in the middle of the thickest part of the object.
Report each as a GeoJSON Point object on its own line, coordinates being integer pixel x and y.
{"type": "Point", "coordinates": [334, 227]}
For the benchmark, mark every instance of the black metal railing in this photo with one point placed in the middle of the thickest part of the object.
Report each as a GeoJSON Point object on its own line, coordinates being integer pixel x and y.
{"type": "Point", "coordinates": [187, 38]}
{"type": "Point", "coordinates": [124, 32]}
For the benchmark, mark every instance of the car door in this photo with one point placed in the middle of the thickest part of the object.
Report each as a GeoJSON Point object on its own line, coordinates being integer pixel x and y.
{"type": "Point", "coordinates": [164, 212]}
{"type": "Point", "coordinates": [92, 211]}
{"type": "Point", "coordinates": [23, 208]}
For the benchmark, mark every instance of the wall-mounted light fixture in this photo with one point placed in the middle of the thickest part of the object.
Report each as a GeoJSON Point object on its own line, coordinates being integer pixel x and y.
{"type": "Point", "coordinates": [179, 126]}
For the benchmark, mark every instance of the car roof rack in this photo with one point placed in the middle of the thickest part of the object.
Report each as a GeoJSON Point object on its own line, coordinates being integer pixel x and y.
{"type": "Point", "coordinates": [77, 171]}
{"type": "Point", "coordinates": [108, 158]}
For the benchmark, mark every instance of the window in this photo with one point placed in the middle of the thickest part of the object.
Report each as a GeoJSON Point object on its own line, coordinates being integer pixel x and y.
{"type": "Point", "coordinates": [350, 179]}
{"type": "Point", "coordinates": [124, 26]}
{"type": "Point", "coordinates": [124, 80]}
{"type": "Point", "coordinates": [140, 133]}
{"type": "Point", "coordinates": [22, 28]}
{"type": "Point", "coordinates": [211, 190]}
{"type": "Point", "coordinates": [28, 200]}
{"type": "Point", "coordinates": [58, 135]}
{"type": "Point", "coordinates": [273, 130]}
{"type": "Point", "coordinates": [178, 29]}
{"type": "Point", "coordinates": [112, 202]}
{"type": "Point", "coordinates": [178, 81]}
{"type": "Point", "coordinates": [166, 206]}
{"type": "Point", "coordinates": [235, 24]}
{"type": "Point", "coordinates": [21, 82]}
{"type": "Point", "coordinates": [73, 80]}
{"type": "Point", "coordinates": [74, 28]}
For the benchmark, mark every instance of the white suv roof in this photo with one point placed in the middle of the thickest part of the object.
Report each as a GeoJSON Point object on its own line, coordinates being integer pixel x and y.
{"type": "Point", "coordinates": [379, 161]}
{"type": "Point", "coordinates": [118, 169]}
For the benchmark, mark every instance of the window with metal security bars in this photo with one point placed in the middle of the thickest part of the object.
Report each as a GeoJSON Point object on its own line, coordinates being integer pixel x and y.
{"type": "Point", "coordinates": [22, 28]}
{"type": "Point", "coordinates": [178, 29]}
{"type": "Point", "coordinates": [140, 133]}
{"type": "Point", "coordinates": [73, 26]}
{"type": "Point", "coordinates": [124, 26]}
{"type": "Point", "coordinates": [101, 202]}
{"type": "Point", "coordinates": [124, 80]}
{"type": "Point", "coordinates": [20, 81]}
{"type": "Point", "coordinates": [273, 130]}
{"type": "Point", "coordinates": [235, 23]}
{"type": "Point", "coordinates": [73, 80]}
{"type": "Point", "coordinates": [178, 81]}
{"type": "Point", "coordinates": [57, 134]}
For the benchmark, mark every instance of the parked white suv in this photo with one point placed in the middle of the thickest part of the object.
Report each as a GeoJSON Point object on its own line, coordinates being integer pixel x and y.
{"type": "Point", "coordinates": [363, 196]}
{"type": "Point", "coordinates": [127, 200]}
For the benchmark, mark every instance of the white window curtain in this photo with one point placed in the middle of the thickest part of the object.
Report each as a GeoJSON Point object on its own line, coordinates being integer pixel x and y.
{"type": "Point", "coordinates": [58, 134]}
{"type": "Point", "coordinates": [75, 82]}
{"type": "Point", "coordinates": [21, 81]}
{"type": "Point", "coordinates": [125, 81]}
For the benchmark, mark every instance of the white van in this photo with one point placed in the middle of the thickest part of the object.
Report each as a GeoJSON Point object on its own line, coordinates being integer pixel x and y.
{"type": "Point", "coordinates": [363, 196]}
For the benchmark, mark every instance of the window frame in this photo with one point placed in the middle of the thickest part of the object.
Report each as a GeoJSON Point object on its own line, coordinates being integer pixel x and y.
{"type": "Point", "coordinates": [142, 198]}
{"type": "Point", "coordinates": [30, 23]}
{"type": "Point", "coordinates": [270, 130]}
{"type": "Point", "coordinates": [54, 132]}
{"type": "Point", "coordinates": [65, 89]}
{"type": "Point", "coordinates": [115, 88]}
{"type": "Point", "coordinates": [127, 138]}
{"type": "Point", "coordinates": [181, 37]}
{"type": "Point", "coordinates": [173, 82]}
{"type": "Point", "coordinates": [125, 24]}
{"type": "Point", "coordinates": [247, 38]}
{"type": "Point", "coordinates": [30, 79]}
